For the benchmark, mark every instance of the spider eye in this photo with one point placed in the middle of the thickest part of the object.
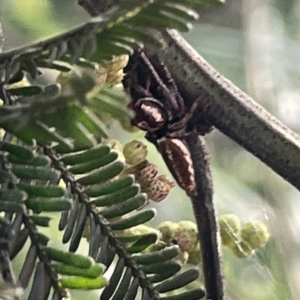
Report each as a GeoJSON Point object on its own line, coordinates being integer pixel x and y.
{"type": "Point", "coordinates": [150, 114]}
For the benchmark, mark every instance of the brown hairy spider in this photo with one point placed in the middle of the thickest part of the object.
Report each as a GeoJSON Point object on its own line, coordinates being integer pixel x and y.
{"type": "Point", "coordinates": [160, 110]}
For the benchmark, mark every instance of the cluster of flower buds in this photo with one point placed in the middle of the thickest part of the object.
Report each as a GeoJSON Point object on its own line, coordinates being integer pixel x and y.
{"type": "Point", "coordinates": [156, 186]}
{"type": "Point", "coordinates": [242, 239]}
{"type": "Point", "coordinates": [183, 234]}
{"type": "Point", "coordinates": [114, 68]}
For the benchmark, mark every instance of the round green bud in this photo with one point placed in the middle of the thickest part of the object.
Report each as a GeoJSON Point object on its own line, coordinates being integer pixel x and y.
{"type": "Point", "coordinates": [195, 255]}
{"type": "Point", "coordinates": [135, 152]}
{"type": "Point", "coordinates": [242, 249]}
{"type": "Point", "coordinates": [229, 229]}
{"type": "Point", "coordinates": [255, 234]}
{"type": "Point", "coordinates": [167, 230]}
{"type": "Point", "coordinates": [186, 235]}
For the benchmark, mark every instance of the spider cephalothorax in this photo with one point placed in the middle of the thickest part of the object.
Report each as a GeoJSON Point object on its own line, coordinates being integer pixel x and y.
{"type": "Point", "coordinates": [160, 110]}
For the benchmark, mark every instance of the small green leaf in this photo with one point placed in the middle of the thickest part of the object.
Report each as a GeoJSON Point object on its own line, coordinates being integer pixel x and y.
{"type": "Point", "coordinates": [103, 173]}
{"type": "Point", "coordinates": [42, 238]}
{"type": "Point", "coordinates": [94, 164]}
{"type": "Point", "coordinates": [26, 90]}
{"type": "Point", "coordinates": [68, 258]}
{"type": "Point", "coordinates": [12, 195]}
{"type": "Point", "coordinates": [139, 218]}
{"type": "Point", "coordinates": [178, 281]}
{"type": "Point", "coordinates": [110, 187]}
{"type": "Point", "coordinates": [71, 221]}
{"type": "Point", "coordinates": [118, 196]}
{"type": "Point", "coordinates": [92, 272]}
{"type": "Point", "coordinates": [40, 220]}
{"type": "Point", "coordinates": [114, 280]}
{"type": "Point", "coordinates": [85, 156]}
{"type": "Point", "coordinates": [137, 34]}
{"type": "Point", "coordinates": [83, 283]}
{"type": "Point", "coordinates": [131, 238]}
{"type": "Point", "coordinates": [28, 266]}
{"type": "Point", "coordinates": [48, 204]}
{"type": "Point", "coordinates": [38, 173]}
{"type": "Point", "coordinates": [156, 257]}
{"type": "Point", "coordinates": [161, 268]}
{"type": "Point", "coordinates": [41, 190]}
{"type": "Point", "coordinates": [18, 242]}
{"type": "Point", "coordinates": [79, 227]}
{"type": "Point", "coordinates": [12, 207]}
{"type": "Point", "coordinates": [39, 160]}
{"type": "Point", "coordinates": [17, 150]}
{"type": "Point", "coordinates": [162, 271]}
{"type": "Point", "coordinates": [105, 104]}
{"type": "Point", "coordinates": [143, 243]}
{"type": "Point", "coordinates": [179, 11]}
{"type": "Point", "coordinates": [123, 208]}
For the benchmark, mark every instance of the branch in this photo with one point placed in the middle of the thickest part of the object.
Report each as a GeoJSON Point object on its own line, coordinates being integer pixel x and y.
{"type": "Point", "coordinates": [205, 216]}
{"type": "Point", "coordinates": [229, 109]}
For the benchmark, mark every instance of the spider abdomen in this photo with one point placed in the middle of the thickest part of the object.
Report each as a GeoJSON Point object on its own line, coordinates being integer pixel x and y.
{"type": "Point", "coordinates": [178, 159]}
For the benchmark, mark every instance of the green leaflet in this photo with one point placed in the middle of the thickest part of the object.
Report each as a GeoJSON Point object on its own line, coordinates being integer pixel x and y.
{"type": "Point", "coordinates": [42, 238]}
{"type": "Point", "coordinates": [40, 204]}
{"type": "Point", "coordinates": [12, 207]}
{"type": "Point", "coordinates": [38, 173]}
{"type": "Point", "coordinates": [68, 258]}
{"type": "Point", "coordinates": [139, 218]}
{"type": "Point", "coordinates": [162, 271]}
{"type": "Point", "coordinates": [110, 187]}
{"type": "Point", "coordinates": [158, 256]}
{"type": "Point", "coordinates": [91, 272]}
{"type": "Point", "coordinates": [118, 196]}
{"type": "Point", "coordinates": [85, 156]}
{"type": "Point", "coordinates": [40, 220]}
{"type": "Point", "coordinates": [41, 190]}
{"type": "Point", "coordinates": [179, 281]}
{"type": "Point", "coordinates": [103, 173]}
{"type": "Point", "coordinates": [74, 282]}
{"type": "Point", "coordinates": [28, 266]}
{"type": "Point", "coordinates": [26, 90]}
{"type": "Point", "coordinates": [94, 164]}
{"type": "Point", "coordinates": [143, 243]}
{"type": "Point", "coordinates": [80, 41]}
{"type": "Point", "coordinates": [123, 208]}
{"type": "Point", "coordinates": [21, 152]}
{"type": "Point", "coordinates": [12, 195]}
{"type": "Point", "coordinates": [38, 161]}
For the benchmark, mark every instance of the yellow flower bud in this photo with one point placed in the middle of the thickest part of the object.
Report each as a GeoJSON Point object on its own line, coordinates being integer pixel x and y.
{"type": "Point", "coordinates": [135, 152]}
{"type": "Point", "coordinates": [242, 249]}
{"type": "Point", "coordinates": [185, 235]}
{"type": "Point", "coordinates": [255, 234]}
{"type": "Point", "coordinates": [229, 229]}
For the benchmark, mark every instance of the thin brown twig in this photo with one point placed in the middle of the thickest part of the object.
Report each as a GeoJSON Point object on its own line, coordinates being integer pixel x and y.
{"type": "Point", "coordinates": [205, 215]}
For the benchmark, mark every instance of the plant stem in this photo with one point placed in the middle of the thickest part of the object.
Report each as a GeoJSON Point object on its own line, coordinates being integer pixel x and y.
{"type": "Point", "coordinates": [205, 216]}
{"type": "Point", "coordinates": [229, 109]}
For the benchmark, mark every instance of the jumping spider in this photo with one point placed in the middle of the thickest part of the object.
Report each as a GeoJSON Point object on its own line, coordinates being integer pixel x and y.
{"type": "Point", "coordinates": [161, 111]}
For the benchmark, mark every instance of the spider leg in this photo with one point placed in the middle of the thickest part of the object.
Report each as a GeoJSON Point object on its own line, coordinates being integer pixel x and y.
{"type": "Point", "coordinates": [160, 90]}
{"type": "Point", "coordinates": [178, 127]}
{"type": "Point", "coordinates": [166, 77]}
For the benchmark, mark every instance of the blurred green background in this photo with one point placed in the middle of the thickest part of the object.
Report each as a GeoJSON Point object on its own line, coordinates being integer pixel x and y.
{"type": "Point", "coordinates": [256, 45]}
